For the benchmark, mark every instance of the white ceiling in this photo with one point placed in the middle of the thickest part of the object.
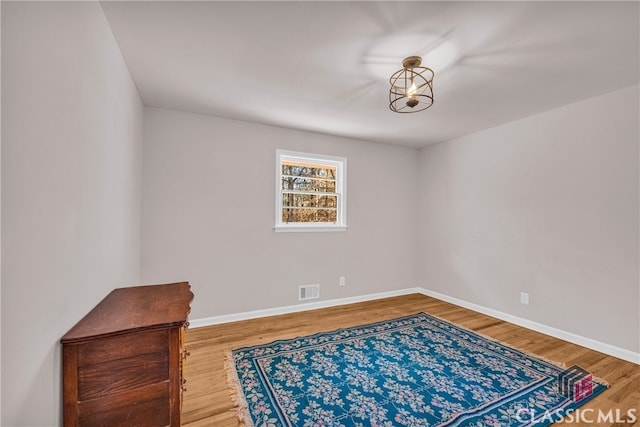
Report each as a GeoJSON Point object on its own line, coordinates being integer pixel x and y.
{"type": "Point", "coordinates": [324, 66]}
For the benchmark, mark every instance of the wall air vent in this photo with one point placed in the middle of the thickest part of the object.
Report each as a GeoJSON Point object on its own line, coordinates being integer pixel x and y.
{"type": "Point", "coordinates": [306, 292]}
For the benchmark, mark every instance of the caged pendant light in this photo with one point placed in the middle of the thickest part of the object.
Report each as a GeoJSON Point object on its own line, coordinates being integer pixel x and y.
{"type": "Point", "coordinates": [411, 87]}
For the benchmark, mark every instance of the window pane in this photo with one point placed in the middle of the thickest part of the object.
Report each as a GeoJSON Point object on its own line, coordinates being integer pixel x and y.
{"type": "Point", "coordinates": [309, 200]}
{"type": "Point", "coordinates": [308, 170]}
{"type": "Point", "coordinates": [308, 184]}
{"type": "Point", "coordinates": [309, 215]}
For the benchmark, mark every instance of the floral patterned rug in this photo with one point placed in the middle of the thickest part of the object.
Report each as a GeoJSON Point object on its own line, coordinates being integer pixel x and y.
{"type": "Point", "coordinates": [413, 371]}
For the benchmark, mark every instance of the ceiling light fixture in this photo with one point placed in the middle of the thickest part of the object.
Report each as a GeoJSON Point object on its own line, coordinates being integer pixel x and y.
{"type": "Point", "coordinates": [412, 87]}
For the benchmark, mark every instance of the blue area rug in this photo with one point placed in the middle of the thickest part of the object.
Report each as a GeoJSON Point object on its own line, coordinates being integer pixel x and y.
{"type": "Point", "coordinates": [412, 371]}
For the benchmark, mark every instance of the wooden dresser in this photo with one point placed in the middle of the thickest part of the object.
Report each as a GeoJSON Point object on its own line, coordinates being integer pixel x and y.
{"type": "Point", "coordinates": [122, 363]}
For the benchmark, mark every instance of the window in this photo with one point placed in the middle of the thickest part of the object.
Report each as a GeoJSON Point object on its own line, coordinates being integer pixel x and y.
{"type": "Point", "coordinates": [310, 192]}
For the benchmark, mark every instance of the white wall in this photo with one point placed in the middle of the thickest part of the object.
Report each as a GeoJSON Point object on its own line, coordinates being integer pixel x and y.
{"type": "Point", "coordinates": [546, 205]}
{"type": "Point", "coordinates": [71, 160]}
{"type": "Point", "coordinates": [208, 215]}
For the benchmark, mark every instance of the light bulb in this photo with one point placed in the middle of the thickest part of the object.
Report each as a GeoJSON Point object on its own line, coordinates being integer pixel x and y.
{"type": "Point", "coordinates": [411, 93]}
{"type": "Point", "coordinates": [412, 98]}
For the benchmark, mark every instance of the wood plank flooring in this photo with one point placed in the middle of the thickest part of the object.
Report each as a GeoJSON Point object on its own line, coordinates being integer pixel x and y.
{"type": "Point", "coordinates": [207, 400]}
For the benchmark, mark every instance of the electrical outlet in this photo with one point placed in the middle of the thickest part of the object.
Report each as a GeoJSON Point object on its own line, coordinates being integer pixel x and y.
{"type": "Point", "coordinates": [524, 298]}
{"type": "Point", "coordinates": [342, 281]}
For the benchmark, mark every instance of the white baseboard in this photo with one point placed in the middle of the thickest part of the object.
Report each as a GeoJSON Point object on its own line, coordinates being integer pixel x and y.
{"type": "Point", "coordinates": [609, 349]}
{"type": "Point", "coordinates": [226, 318]}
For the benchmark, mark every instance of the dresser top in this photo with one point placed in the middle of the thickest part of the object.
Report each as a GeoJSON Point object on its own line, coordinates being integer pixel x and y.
{"type": "Point", "coordinates": [138, 307]}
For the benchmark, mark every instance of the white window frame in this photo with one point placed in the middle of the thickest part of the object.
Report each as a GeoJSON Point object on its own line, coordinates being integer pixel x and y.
{"type": "Point", "coordinates": [340, 163]}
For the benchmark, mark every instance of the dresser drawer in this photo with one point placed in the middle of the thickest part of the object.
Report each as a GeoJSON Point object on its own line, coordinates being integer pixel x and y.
{"type": "Point", "coordinates": [122, 346]}
{"type": "Point", "coordinates": [146, 407]}
{"type": "Point", "coordinates": [121, 375]}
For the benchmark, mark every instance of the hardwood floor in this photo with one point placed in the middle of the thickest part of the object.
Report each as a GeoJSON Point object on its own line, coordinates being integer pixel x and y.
{"type": "Point", "coordinates": [207, 400]}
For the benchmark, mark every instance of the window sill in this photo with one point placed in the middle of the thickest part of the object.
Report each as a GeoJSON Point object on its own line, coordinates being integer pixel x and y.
{"type": "Point", "coordinates": [308, 228]}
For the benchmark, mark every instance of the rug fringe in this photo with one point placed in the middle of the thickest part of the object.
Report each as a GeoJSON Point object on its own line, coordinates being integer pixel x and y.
{"type": "Point", "coordinates": [525, 352]}
{"type": "Point", "coordinates": [237, 395]}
